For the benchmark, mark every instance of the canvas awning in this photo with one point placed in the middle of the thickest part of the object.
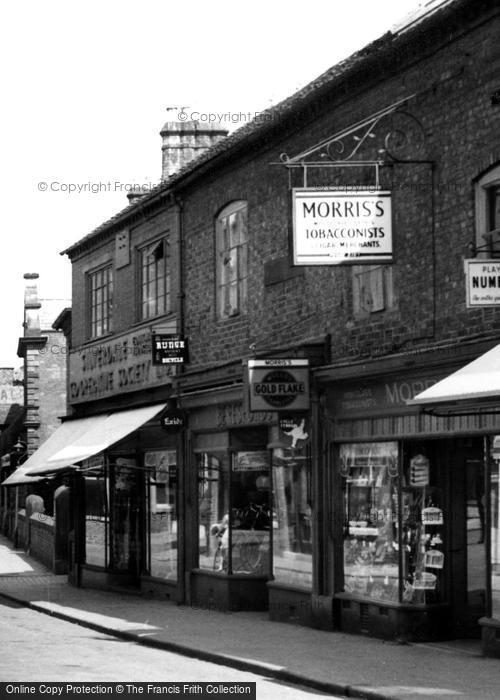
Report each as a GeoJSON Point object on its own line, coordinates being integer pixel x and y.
{"type": "Point", "coordinates": [477, 382]}
{"type": "Point", "coordinates": [63, 435]}
{"type": "Point", "coordinates": [76, 440]}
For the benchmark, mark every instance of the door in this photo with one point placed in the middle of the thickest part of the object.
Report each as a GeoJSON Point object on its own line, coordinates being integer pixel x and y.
{"type": "Point", "coordinates": [468, 535]}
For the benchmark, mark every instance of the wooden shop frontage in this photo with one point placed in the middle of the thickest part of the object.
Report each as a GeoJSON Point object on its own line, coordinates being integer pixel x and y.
{"type": "Point", "coordinates": [409, 499]}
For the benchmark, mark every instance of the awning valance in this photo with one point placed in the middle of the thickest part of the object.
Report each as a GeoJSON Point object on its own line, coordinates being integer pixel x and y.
{"type": "Point", "coordinates": [76, 440]}
{"type": "Point", "coordinates": [476, 382]}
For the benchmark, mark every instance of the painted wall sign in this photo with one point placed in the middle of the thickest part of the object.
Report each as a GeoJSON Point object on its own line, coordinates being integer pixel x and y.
{"type": "Point", "coordinates": [482, 282]}
{"type": "Point", "coordinates": [375, 397]}
{"type": "Point", "coordinates": [169, 349]}
{"type": "Point", "coordinates": [339, 226]}
{"type": "Point", "coordinates": [278, 385]}
{"type": "Point", "coordinates": [120, 365]}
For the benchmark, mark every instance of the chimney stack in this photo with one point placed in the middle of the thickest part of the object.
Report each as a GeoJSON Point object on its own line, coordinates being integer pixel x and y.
{"type": "Point", "coordinates": [32, 305]}
{"type": "Point", "coordinates": [184, 141]}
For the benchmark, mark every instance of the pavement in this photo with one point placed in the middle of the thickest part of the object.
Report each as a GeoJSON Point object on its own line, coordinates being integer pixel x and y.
{"type": "Point", "coordinates": [335, 663]}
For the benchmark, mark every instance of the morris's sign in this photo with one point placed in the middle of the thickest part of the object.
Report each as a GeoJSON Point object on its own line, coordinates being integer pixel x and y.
{"type": "Point", "coordinates": [278, 385]}
{"type": "Point", "coordinates": [335, 226]}
{"type": "Point", "coordinates": [482, 282]}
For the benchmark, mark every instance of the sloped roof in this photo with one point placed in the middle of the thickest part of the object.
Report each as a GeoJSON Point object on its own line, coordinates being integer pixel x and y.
{"type": "Point", "coordinates": [429, 14]}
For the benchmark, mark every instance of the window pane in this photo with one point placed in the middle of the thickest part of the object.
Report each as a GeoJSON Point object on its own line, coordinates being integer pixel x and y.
{"type": "Point", "coordinates": [96, 518]}
{"type": "Point", "coordinates": [213, 510]}
{"type": "Point", "coordinates": [369, 474]}
{"type": "Point", "coordinates": [292, 530]}
{"type": "Point", "coordinates": [251, 515]}
{"type": "Point", "coordinates": [163, 529]}
{"type": "Point", "coordinates": [155, 279]}
{"type": "Point", "coordinates": [495, 529]}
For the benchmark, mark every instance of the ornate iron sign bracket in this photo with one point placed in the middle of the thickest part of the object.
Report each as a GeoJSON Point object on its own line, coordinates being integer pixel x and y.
{"type": "Point", "coordinates": [391, 135]}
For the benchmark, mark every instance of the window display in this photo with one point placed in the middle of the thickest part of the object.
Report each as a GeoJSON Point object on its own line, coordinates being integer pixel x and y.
{"type": "Point", "coordinates": [394, 542]}
{"type": "Point", "coordinates": [213, 510]}
{"type": "Point", "coordinates": [161, 468]}
{"type": "Point", "coordinates": [250, 513]}
{"type": "Point", "coordinates": [233, 511]}
{"type": "Point", "coordinates": [370, 514]}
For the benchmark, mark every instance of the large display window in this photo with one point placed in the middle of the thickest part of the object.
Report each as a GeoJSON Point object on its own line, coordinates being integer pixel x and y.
{"type": "Point", "coordinates": [234, 518]}
{"type": "Point", "coordinates": [161, 470]}
{"type": "Point", "coordinates": [394, 524]}
{"type": "Point", "coordinates": [292, 516]}
{"type": "Point", "coordinates": [96, 490]}
{"type": "Point", "coordinates": [495, 528]}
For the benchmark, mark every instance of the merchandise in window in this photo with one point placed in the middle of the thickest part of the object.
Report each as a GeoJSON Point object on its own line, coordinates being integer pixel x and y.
{"type": "Point", "coordinates": [232, 268]}
{"type": "Point", "coordinates": [394, 525]}
{"type": "Point", "coordinates": [250, 513]}
{"type": "Point", "coordinates": [370, 519]}
{"type": "Point", "coordinates": [213, 510]}
{"type": "Point", "coordinates": [161, 466]}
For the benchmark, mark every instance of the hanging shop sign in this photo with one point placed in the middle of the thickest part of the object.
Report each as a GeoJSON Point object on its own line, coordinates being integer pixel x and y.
{"type": "Point", "coordinates": [169, 349]}
{"type": "Point", "coordinates": [278, 385]}
{"type": "Point", "coordinates": [337, 226]}
{"type": "Point", "coordinates": [482, 282]}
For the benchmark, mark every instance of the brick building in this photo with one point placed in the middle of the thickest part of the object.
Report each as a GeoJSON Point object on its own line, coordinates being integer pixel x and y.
{"type": "Point", "coordinates": [42, 389]}
{"type": "Point", "coordinates": [329, 234]}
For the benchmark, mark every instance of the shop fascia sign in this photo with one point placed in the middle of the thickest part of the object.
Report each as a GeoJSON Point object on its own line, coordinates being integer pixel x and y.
{"type": "Point", "coordinates": [482, 282]}
{"type": "Point", "coordinates": [169, 348]}
{"type": "Point", "coordinates": [278, 385]}
{"type": "Point", "coordinates": [335, 226]}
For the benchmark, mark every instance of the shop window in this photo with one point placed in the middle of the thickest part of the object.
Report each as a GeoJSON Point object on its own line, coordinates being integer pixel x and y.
{"type": "Point", "coordinates": [125, 520]}
{"type": "Point", "coordinates": [213, 510]}
{"type": "Point", "coordinates": [488, 213]}
{"type": "Point", "coordinates": [292, 513]}
{"type": "Point", "coordinates": [495, 528]}
{"type": "Point", "coordinates": [100, 302]}
{"type": "Point", "coordinates": [394, 549]}
{"type": "Point", "coordinates": [234, 512]}
{"type": "Point", "coordinates": [155, 282]}
{"type": "Point", "coordinates": [232, 267]}
{"type": "Point", "coordinates": [161, 466]}
{"type": "Point", "coordinates": [96, 516]}
{"type": "Point", "coordinates": [372, 288]}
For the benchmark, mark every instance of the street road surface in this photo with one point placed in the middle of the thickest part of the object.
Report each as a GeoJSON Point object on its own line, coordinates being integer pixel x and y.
{"type": "Point", "coordinates": [37, 647]}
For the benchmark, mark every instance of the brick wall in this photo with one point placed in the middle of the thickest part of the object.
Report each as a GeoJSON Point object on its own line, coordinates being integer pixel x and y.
{"type": "Point", "coordinates": [452, 88]}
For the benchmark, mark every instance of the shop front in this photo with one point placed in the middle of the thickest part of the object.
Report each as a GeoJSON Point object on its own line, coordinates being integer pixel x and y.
{"type": "Point", "coordinates": [406, 502]}
{"type": "Point", "coordinates": [250, 524]}
{"type": "Point", "coordinates": [473, 392]}
{"type": "Point", "coordinates": [122, 468]}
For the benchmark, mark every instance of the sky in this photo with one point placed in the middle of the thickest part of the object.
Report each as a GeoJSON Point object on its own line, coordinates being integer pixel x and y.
{"type": "Point", "coordinates": [87, 86]}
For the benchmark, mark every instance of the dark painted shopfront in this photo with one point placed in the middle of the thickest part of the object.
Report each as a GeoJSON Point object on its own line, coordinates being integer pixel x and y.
{"type": "Point", "coordinates": [248, 505]}
{"type": "Point", "coordinates": [406, 501]}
